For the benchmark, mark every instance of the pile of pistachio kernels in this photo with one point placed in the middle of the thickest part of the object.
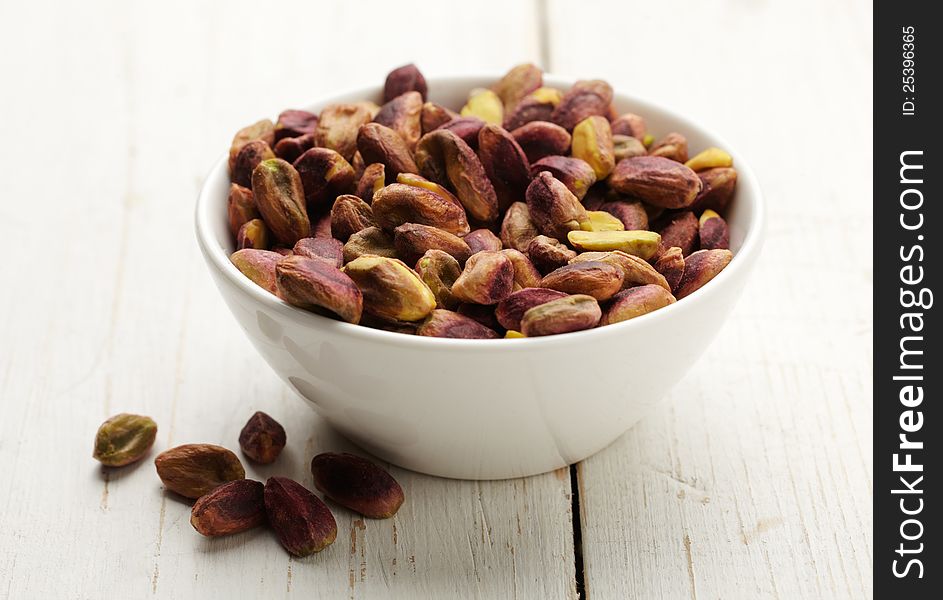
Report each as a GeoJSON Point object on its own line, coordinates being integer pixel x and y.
{"type": "Point", "coordinates": [532, 211]}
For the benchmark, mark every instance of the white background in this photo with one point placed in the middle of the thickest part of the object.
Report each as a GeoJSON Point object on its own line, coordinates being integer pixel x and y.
{"type": "Point", "coordinates": [752, 480]}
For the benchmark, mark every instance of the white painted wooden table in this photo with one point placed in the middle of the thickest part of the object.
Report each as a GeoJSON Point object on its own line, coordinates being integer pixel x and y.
{"type": "Point", "coordinates": [752, 480]}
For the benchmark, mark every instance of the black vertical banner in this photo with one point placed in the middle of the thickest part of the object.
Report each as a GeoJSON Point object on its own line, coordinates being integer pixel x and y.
{"type": "Point", "coordinates": [908, 374]}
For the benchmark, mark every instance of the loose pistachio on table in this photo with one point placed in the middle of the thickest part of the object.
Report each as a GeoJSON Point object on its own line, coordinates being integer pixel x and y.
{"type": "Point", "coordinates": [357, 483]}
{"type": "Point", "coordinates": [192, 470]}
{"type": "Point", "coordinates": [262, 438]}
{"type": "Point", "coordinates": [231, 508]}
{"type": "Point", "coordinates": [124, 439]}
{"type": "Point", "coordinates": [300, 520]}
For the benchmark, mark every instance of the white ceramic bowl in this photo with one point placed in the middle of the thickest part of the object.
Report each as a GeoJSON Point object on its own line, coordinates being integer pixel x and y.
{"type": "Point", "coordinates": [485, 409]}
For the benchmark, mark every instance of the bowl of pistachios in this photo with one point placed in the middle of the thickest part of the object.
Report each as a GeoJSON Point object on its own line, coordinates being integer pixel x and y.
{"type": "Point", "coordinates": [480, 277]}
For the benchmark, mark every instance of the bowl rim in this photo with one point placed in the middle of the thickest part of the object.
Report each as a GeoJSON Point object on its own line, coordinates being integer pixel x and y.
{"type": "Point", "coordinates": [217, 258]}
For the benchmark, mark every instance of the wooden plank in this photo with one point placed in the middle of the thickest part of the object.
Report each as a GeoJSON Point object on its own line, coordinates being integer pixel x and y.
{"type": "Point", "coordinates": [753, 480]}
{"type": "Point", "coordinates": [122, 108]}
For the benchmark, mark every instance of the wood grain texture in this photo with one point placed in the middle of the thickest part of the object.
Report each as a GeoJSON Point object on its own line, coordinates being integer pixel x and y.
{"type": "Point", "coordinates": [753, 480]}
{"type": "Point", "coordinates": [121, 108]}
